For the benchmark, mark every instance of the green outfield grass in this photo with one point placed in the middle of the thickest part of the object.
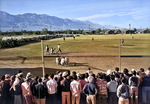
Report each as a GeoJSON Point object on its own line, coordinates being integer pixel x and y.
{"type": "Point", "coordinates": [102, 45]}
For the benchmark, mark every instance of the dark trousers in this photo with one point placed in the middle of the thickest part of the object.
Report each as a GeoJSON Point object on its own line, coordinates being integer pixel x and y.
{"type": "Point", "coordinates": [101, 99]}
{"type": "Point", "coordinates": [112, 98]}
{"type": "Point", "coordinates": [83, 98]}
{"type": "Point", "coordinates": [51, 99]}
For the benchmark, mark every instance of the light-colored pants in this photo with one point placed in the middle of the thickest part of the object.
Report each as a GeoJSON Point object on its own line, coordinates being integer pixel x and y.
{"type": "Point", "coordinates": [65, 97]}
{"type": "Point", "coordinates": [40, 101]}
{"type": "Point", "coordinates": [75, 99]}
{"type": "Point", "coordinates": [91, 99]}
{"type": "Point", "coordinates": [134, 93]}
{"type": "Point", "coordinates": [123, 101]}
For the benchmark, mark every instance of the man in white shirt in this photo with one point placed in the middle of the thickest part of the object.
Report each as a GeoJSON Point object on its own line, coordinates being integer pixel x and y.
{"type": "Point", "coordinates": [75, 88]}
{"type": "Point", "coordinates": [59, 50]}
{"type": "Point", "coordinates": [52, 90]}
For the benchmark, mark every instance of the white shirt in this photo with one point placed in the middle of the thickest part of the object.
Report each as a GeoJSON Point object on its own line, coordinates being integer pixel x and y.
{"type": "Point", "coordinates": [62, 61]}
{"type": "Point", "coordinates": [75, 88]}
{"type": "Point", "coordinates": [58, 46]}
{"type": "Point", "coordinates": [51, 86]}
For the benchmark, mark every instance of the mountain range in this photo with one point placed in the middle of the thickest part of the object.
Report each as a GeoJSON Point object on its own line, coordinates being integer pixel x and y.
{"type": "Point", "coordinates": [33, 21]}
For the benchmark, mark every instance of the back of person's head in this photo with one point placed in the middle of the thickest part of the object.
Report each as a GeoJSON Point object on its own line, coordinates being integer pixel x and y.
{"type": "Point", "coordinates": [112, 77]}
{"type": "Point", "coordinates": [36, 78]}
{"type": "Point", "coordinates": [142, 69]}
{"type": "Point", "coordinates": [117, 76]}
{"type": "Point", "coordinates": [93, 75]}
{"type": "Point", "coordinates": [116, 69]}
{"type": "Point", "coordinates": [3, 77]}
{"type": "Point", "coordinates": [89, 68]}
{"type": "Point", "coordinates": [75, 77]}
{"type": "Point", "coordinates": [124, 80]}
{"type": "Point", "coordinates": [73, 73]}
{"type": "Point", "coordinates": [101, 76]}
{"type": "Point", "coordinates": [86, 75]}
{"type": "Point", "coordinates": [125, 71]}
{"type": "Point", "coordinates": [40, 80]}
{"type": "Point", "coordinates": [52, 75]}
{"type": "Point", "coordinates": [46, 76]}
{"type": "Point", "coordinates": [133, 72]}
{"type": "Point", "coordinates": [121, 75]}
{"type": "Point", "coordinates": [149, 68]}
{"type": "Point", "coordinates": [82, 76]}
{"type": "Point", "coordinates": [68, 72]}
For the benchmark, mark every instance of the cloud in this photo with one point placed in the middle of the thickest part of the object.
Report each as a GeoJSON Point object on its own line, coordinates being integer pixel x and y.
{"type": "Point", "coordinates": [134, 13]}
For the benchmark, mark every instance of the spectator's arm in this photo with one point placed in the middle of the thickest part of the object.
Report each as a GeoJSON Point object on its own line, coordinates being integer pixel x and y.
{"type": "Point", "coordinates": [130, 90]}
{"type": "Point", "coordinates": [118, 90]}
{"type": "Point", "coordinates": [130, 81]}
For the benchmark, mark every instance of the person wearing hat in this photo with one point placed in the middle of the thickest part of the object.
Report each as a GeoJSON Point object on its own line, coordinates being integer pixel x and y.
{"type": "Point", "coordinates": [65, 84]}
{"type": "Point", "coordinates": [90, 90]}
{"type": "Point", "coordinates": [124, 92]}
{"type": "Point", "coordinates": [26, 90]}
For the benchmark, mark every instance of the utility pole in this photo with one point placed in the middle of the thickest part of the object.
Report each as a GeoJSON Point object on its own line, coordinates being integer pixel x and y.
{"type": "Point", "coordinates": [129, 28]}
{"type": "Point", "coordinates": [50, 27]}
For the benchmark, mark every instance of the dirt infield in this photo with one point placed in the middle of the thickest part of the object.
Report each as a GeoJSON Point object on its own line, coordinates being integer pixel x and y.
{"type": "Point", "coordinates": [96, 63]}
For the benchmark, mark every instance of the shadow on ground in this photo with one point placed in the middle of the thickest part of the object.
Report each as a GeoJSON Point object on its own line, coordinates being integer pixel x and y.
{"type": "Point", "coordinates": [35, 71]}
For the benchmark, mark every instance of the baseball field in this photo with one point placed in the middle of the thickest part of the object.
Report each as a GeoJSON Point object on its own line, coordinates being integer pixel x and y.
{"type": "Point", "coordinates": [100, 54]}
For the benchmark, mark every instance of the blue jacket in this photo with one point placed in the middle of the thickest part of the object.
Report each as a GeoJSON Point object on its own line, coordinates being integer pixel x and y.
{"type": "Point", "coordinates": [89, 89]}
{"type": "Point", "coordinates": [146, 81]}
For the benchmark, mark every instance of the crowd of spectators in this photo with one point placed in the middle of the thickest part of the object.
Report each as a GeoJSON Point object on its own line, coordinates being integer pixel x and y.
{"type": "Point", "coordinates": [112, 87]}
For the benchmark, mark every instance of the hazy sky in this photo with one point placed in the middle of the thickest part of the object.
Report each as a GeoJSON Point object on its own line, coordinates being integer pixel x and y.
{"type": "Point", "coordinates": [106, 12]}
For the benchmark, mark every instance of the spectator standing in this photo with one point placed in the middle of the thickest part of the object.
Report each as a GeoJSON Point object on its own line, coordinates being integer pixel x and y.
{"type": "Point", "coordinates": [102, 89]}
{"type": "Point", "coordinates": [17, 92]}
{"type": "Point", "coordinates": [26, 90]}
{"type": "Point", "coordinates": [125, 72]}
{"type": "Point", "coordinates": [65, 83]}
{"type": "Point", "coordinates": [112, 89]}
{"type": "Point", "coordinates": [83, 83]}
{"type": "Point", "coordinates": [90, 90]}
{"type": "Point", "coordinates": [40, 92]}
{"type": "Point", "coordinates": [146, 88]}
{"type": "Point", "coordinates": [117, 71]}
{"type": "Point", "coordinates": [124, 92]}
{"type": "Point", "coordinates": [52, 90]}
{"type": "Point", "coordinates": [1, 87]}
{"type": "Point", "coordinates": [134, 83]}
{"type": "Point", "coordinates": [45, 80]}
{"type": "Point", "coordinates": [5, 90]}
{"type": "Point", "coordinates": [47, 50]}
{"type": "Point", "coordinates": [75, 88]}
{"type": "Point", "coordinates": [32, 86]}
